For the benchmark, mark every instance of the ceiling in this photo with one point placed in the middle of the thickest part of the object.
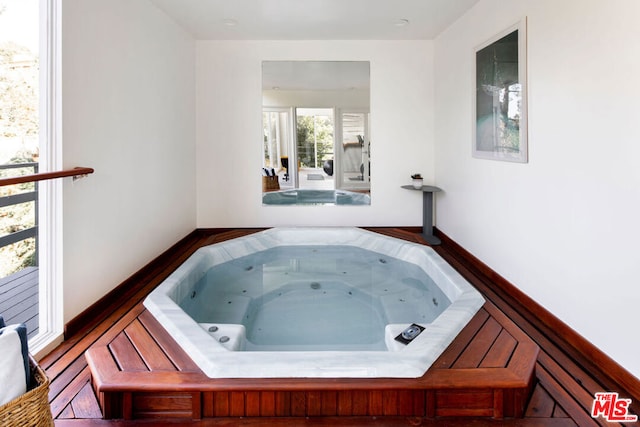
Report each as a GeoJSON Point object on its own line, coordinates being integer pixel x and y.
{"type": "Point", "coordinates": [314, 19]}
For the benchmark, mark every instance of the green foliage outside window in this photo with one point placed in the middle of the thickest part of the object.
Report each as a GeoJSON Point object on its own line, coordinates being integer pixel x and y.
{"type": "Point", "coordinates": [315, 140]}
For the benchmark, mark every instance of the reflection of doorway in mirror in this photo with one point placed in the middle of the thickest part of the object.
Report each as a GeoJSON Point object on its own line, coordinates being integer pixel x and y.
{"type": "Point", "coordinates": [277, 137]}
{"type": "Point", "coordinates": [315, 148]}
{"type": "Point", "coordinates": [354, 152]}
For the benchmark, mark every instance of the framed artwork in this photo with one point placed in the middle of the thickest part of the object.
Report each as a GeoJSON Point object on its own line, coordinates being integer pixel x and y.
{"type": "Point", "coordinates": [500, 101]}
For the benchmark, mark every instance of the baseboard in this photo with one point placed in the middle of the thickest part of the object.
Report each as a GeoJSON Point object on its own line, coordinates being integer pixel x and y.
{"type": "Point", "coordinates": [551, 326]}
{"type": "Point", "coordinates": [562, 335]}
{"type": "Point", "coordinates": [99, 310]}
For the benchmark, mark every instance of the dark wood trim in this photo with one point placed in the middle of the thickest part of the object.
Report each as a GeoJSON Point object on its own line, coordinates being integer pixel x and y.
{"type": "Point", "coordinates": [502, 292]}
{"type": "Point", "coordinates": [45, 176]}
{"type": "Point", "coordinates": [214, 231]}
{"type": "Point", "coordinates": [581, 350]}
{"type": "Point", "coordinates": [354, 421]}
{"type": "Point", "coordinates": [98, 311]}
{"type": "Point", "coordinates": [569, 368]}
{"type": "Point", "coordinates": [563, 392]}
{"type": "Point", "coordinates": [488, 371]}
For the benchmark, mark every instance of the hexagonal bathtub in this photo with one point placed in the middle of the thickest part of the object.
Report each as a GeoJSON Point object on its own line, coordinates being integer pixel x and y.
{"type": "Point", "coordinates": [314, 302]}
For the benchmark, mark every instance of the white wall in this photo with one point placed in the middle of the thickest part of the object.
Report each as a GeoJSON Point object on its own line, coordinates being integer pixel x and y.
{"type": "Point", "coordinates": [565, 226]}
{"type": "Point", "coordinates": [229, 131]}
{"type": "Point", "coordinates": [129, 112]}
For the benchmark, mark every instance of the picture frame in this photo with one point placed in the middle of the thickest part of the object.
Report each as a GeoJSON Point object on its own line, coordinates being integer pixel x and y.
{"type": "Point", "coordinates": [500, 96]}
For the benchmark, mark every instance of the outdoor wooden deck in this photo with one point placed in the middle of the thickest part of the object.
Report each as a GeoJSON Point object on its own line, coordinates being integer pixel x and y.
{"type": "Point", "coordinates": [19, 299]}
{"type": "Point", "coordinates": [563, 387]}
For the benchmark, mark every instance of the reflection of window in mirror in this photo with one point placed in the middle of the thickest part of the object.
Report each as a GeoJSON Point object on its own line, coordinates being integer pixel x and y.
{"type": "Point", "coordinates": [276, 123]}
{"type": "Point", "coordinates": [355, 145]}
{"type": "Point", "coordinates": [316, 132]}
{"type": "Point", "coordinates": [314, 147]}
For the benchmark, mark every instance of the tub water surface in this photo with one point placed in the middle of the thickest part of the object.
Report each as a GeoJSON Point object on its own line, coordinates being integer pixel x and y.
{"type": "Point", "coordinates": [315, 197]}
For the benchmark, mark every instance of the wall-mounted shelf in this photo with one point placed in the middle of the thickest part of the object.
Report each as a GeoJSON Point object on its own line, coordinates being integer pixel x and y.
{"type": "Point", "coordinates": [427, 211]}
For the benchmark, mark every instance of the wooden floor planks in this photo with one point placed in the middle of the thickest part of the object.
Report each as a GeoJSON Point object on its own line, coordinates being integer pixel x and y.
{"type": "Point", "coordinates": [562, 395]}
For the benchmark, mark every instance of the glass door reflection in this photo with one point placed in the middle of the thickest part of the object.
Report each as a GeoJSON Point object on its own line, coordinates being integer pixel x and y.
{"type": "Point", "coordinates": [277, 134]}
{"type": "Point", "coordinates": [314, 148]}
{"type": "Point", "coordinates": [354, 156]}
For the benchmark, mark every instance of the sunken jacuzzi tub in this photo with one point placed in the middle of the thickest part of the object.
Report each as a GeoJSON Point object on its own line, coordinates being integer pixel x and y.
{"type": "Point", "coordinates": [314, 303]}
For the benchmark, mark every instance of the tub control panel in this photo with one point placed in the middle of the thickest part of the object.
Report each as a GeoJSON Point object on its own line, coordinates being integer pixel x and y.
{"type": "Point", "coordinates": [410, 333]}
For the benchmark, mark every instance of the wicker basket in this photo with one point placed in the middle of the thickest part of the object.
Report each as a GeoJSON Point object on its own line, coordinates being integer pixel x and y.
{"type": "Point", "coordinates": [270, 183]}
{"type": "Point", "coordinates": [32, 408]}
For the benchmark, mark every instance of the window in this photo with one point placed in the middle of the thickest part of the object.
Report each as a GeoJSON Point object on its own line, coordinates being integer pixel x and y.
{"type": "Point", "coordinates": [314, 136]}
{"type": "Point", "coordinates": [28, 143]}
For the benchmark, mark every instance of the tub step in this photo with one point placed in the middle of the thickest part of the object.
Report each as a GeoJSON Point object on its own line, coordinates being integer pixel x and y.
{"type": "Point", "coordinates": [487, 371]}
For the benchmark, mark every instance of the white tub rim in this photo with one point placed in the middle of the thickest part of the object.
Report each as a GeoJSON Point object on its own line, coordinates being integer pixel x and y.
{"type": "Point", "coordinates": [411, 361]}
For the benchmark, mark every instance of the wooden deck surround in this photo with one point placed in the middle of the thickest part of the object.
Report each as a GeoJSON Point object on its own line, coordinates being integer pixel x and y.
{"type": "Point", "coordinates": [142, 373]}
{"type": "Point", "coordinates": [567, 370]}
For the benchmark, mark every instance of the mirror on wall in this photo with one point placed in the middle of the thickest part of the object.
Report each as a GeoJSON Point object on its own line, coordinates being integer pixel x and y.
{"type": "Point", "coordinates": [315, 120]}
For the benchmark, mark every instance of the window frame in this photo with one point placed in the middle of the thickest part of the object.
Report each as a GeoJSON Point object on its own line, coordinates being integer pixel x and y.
{"type": "Point", "coordinates": [51, 322]}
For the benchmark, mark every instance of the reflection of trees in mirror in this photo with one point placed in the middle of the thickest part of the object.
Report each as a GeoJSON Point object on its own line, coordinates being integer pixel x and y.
{"type": "Point", "coordinates": [314, 139]}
